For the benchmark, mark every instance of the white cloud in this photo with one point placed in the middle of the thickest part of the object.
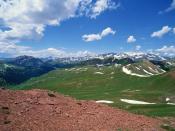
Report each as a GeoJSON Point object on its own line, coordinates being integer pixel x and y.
{"type": "Point", "coordinates": [102, 5]}
{"type": "Point", "coordinates": [14, 50]}
{"type": "Point", "coordinates": [99, 36]}
{"type": "Point", "coordinates": [28, 18]}
{"type": "Point", "coordinates": [172, 7]}
{"type": "Point", "coordinates": [91, 37]}
{"type": "Point", "coordinates": [162, 32]}
{"type": "Point", "coordinates": [166, 50]}
{"type": "Point", "coordinates": [11, 48]}
{"type": "Point", "coordinates": [107, 31]}
{"type": "Point", "coordinates": [174, 30]}
{"type": "Point", "coordinates": [138, 47]}
{"type": "Point", "coordinates": [131, 39]}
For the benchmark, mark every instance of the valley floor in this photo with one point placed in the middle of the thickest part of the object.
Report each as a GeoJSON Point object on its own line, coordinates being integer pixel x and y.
{"type": "Point", "coordinates": [151, 96]}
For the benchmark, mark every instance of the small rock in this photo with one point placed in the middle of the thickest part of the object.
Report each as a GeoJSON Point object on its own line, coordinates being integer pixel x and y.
{"type": "Point", "coordinates": [7, 121]}
{"type": "Point", "coordinates": [79, 103]}
{"type": "Point", "coordinates": [67, 115]}
{"type": "Point", "coordinates": [3, 88]}
{"type": "Point", "coordinates": [51, 94]}
{"type": "Point", "coordinates": [5, 108]}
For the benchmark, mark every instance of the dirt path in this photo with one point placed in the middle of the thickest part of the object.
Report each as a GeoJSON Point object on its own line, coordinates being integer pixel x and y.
{"type": "Point", "coordinates": [39, 110]}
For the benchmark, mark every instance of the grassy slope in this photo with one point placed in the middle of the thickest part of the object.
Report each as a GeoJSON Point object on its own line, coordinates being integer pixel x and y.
{"type": "Point", "coordinates": [90, 86]}
{"type": "Point", "coordinates": [146, 65]}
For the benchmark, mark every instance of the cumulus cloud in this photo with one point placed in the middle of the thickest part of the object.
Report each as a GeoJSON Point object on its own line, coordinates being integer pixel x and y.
{"type": "Point", "coordinates": [99, 36]}
{"type": "Point", "coordinates": [138, 47]}
{"type": "Point", "coordinates": [27, 19]}
{"type": "Point", "coordinates": [172, 6]}
{"type": "Point", "coordinates": [107, 31]}
{"type": "Point", "coordinates": [91, 37]}
{"type": "Point", "coordinates": [174, 30]}
{"type": "Point", "coordinates": [131, 39]}
{"type": "Point", "coordinates": [162, 32]}
{"type": "Point", "coordinates": [166, 50]}
{"type": "Point", "coordinates": [101, 5]}
{"type": "Point", "coordinates": [14, 50]}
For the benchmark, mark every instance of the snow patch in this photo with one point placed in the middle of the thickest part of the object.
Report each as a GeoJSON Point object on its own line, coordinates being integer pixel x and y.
{"type": "Point", "coordinates": [128, 90]}
{"type": "Point", "coordinates": [151, 69]}
{"type": "Point", "coordinates": [167, 99]}
{"type": "Point", "coordinates": [169, 63]}
{"type": "Point", "coordinates": [101, 73]}
{"type": "Point", "coordinates": [99, 65]}
{"type": "Point", "coordinates": [154, 70]}
{"type": "Point", "coordinates": [128, 65]}
{"type": "Point", "coordinates": [104, 101]}
{"type": "Point", "coordinates": [149, 73]}
{"type": "Point", "coordinates": [112, 73]}
{"type": "Point", "coordinates": [72, 69]}
{"type": "Point", "coordinates": [137, 68]}
{"type": "Point", "coordinates": [129, 72]}
{"type": "Point", "coordinates": [163, 71]}
{"type": "Point", "coordinates": [125, 70]}
{"type": "Point", "coordinates": [171, 103]}
{"type": "Point", "coordinates": [6, 66]}
{"type": "Point", "coordinates": [135, 102]}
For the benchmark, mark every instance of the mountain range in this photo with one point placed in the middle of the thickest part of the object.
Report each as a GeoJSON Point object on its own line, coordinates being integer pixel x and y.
{"type": "Point", "coordinates": [19, 69]}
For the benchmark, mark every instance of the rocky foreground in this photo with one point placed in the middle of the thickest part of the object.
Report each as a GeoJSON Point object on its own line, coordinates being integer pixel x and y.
{"type": "Point", "coordinates": [38, 110]}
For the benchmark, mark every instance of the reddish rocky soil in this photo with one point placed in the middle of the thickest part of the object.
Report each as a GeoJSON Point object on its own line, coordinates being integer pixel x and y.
{"type": "Point", "coordinates": [38, 110]}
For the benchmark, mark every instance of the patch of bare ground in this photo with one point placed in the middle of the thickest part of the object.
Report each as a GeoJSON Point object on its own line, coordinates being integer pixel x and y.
{"type": "Point", "coordinates": [169, 121]}
{"type": "Point", "coordinates": [38, 110]}
{"type": "Point", "coordinates": [172, 74]}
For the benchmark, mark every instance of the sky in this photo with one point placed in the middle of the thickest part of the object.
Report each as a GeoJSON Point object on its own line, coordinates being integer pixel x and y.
{"type": "Point", "coordinates": [63, 28]}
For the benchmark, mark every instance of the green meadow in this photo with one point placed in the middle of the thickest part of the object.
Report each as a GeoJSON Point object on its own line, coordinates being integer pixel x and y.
{"type": "Point", "coordinates": [110, 83]}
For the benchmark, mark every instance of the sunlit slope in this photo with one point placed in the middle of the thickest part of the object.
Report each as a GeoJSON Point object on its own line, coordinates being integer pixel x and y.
{"type": "Point", "coordinates": [142, 69]}
{"type": "Point", "coordinates": [110, 83]}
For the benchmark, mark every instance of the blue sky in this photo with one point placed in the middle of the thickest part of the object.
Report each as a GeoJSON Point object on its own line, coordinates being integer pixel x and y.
{"type": "Point", "coordinates": [131, 25]}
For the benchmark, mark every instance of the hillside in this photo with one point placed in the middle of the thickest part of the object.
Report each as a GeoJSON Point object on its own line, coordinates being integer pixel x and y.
{"type": "Point", "coordinates": [42, 110]}
{"type": "Point", "coordinates": [112, 84]}
{"type": "Point", "coordinates": [17, 70]}
{"type": "Point", "coordinates": [142, 69]}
